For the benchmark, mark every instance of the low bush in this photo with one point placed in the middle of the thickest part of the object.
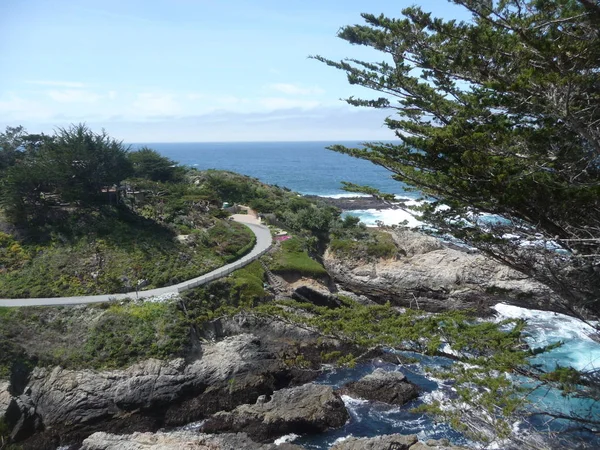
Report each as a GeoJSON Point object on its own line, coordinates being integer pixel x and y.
{"type": "Point", "coordinates": [293, 257]}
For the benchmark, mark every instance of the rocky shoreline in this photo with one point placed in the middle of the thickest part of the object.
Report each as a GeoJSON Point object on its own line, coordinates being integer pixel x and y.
{"type": "Point", "coordinates": [241, 386]}
{"type": "Point", "coordinates": [353, 203]}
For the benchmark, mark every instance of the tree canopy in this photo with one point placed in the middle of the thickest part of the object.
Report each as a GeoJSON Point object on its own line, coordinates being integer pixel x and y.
{"type": "Point", "coordinates": [75, 165]}
{"type": "Point", "coordinates": [500, 116]}
{"type": "Point", "coordinates": [151, 165]}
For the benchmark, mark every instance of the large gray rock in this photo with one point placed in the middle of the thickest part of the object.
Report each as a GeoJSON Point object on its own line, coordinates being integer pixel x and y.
{"type": "Point", "coordinates": [69, 405]}
{"type": "Point", "coordinates": [387, 387]}
{"type": "Point", "coordinates": [393, 442]}
{"type": "Point", "coordinates": [177, 440]}
{"type": "Point", "coordinates": [310, 408]}
{"type": "Point", "coordinates": [5, 398]}
{"type": "Point", "coordinates": [429, 275]}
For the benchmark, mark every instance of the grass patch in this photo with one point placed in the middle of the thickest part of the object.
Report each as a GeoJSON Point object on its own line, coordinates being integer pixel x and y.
{"type": "Point", "coordinates": [244, 288]}
{"type": "Point", "coordinates": [374, 244]}
{"type": "Point", "coordinates": [292, 257]}
{"type": "Point", "coordinates": [247, 284]}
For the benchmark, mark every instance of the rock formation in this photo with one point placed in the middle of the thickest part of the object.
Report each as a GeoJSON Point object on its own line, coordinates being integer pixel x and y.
{"type": "Point", "coordinates": [177, 440]}
{"type": "Point", "coordinates": [430, 275]}
{"type": "Point", "coordinates": [395, 442]}
{"type": "Point", "coordinates": [310, 408]}
{"type": "Point", "coordinates": [387, 387]}
{"type": "Point", "coordinates": [69, 405]}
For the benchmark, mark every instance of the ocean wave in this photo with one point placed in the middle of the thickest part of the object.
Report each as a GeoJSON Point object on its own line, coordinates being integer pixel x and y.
{"type": "Point", "coordinates": [371, 217]}
{"type": "Point", "coordinates": [286, 438]}
{"type": "Point", "coordinates": [579, 349]}
{"type": "Point", "coordinates": [344, 195]}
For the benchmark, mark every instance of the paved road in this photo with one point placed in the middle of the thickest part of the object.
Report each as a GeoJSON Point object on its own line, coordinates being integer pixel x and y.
{"type": "Point", "coordinates": [263, 242]}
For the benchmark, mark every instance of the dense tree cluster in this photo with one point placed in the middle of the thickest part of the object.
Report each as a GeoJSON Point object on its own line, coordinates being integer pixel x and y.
{"type": "Point", "coordinates": [498, 119]}
{"type": "Point", "coordinates": [73, 167]}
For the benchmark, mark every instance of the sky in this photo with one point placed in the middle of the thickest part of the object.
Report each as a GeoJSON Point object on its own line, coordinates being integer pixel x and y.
{"type": "Point", "coordinates": [189, 70]}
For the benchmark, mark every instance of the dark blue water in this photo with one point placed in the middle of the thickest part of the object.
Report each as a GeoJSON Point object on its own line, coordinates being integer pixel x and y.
{"type": "Point", "coordinates": [368, 419]}
{"type": "Point", "coordinates": [305, 167]}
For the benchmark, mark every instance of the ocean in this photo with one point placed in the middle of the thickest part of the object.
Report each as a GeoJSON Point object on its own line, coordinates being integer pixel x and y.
{"type": "Point", "coordinates": [308, 168]}
{"type": "Point", "coordinates": [305, 167]}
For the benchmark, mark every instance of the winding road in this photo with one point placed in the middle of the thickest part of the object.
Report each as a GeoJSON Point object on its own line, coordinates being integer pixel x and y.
{"type": "Point", "coordinates": [263, 243]}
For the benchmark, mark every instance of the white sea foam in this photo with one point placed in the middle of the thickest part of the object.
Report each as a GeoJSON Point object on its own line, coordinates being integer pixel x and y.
{"type": "Point", "coordinates": [342, 439]}
{"type": "Point", "coordinates": [286, 438]}
{"type": "Point", "coordinates": [579, 350]}
{"type": "Point", "coordinates": [345, 195]}
{"type": "Point", "coordinates": [370, 217]}
{"type": "Point", "coordinates": [192, 426]}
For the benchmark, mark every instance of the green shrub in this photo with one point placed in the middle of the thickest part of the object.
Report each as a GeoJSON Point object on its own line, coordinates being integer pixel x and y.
{"type": "Point", "coordinates": [131, 332]}
{"type": "Point", "coordinates": [374, 244]}
{"type": "Point", "coordinates": [292, 257]}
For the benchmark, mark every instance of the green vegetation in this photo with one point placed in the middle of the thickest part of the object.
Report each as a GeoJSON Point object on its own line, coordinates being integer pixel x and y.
{"type": "Point", "coordinates": [109, 251]}
{"type": "Point", "coordinates": [292, 257]}
{"type": "Point", "coordinates": [130, 332]}
{"type": "Point", "coordinates": [102, 336]}
{"type": "Point", "coordinates": [351, 239]}
{"type": "Point", "coordinates": [247, 284]}
{"type": "Point", "coordinates": [244, 288]}
{"type": "Point", "coordinates": [74, 166]}
{"type": "Point", "coordinates": [151, 165]}
{"type": "Point", "coordinates": [78, 227]}
{"type": "Point", "coordinates": [312, 220]}
{"type": "Point", "coordinates": [372, 244]}
{"type": "Point", "coordinates": [494, 115]}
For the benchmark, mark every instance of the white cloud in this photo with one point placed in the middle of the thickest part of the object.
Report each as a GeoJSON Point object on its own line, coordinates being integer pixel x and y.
{"type": "Point", "coordinates": [64, 84]}
{"type": "Point", "coordinates": [112, 95]}
{"type": "Point", "coordinates": [73, 96]}
{"type": "Point", "coordinates": [13, 107]}
{"type": "Point", "coordinates": [156, 104]}
{"type": "Point", "coordinates": [294, 89]}
{"type": "Point", "coordinates": [231, 100]}
{"type": "Point", "coordinates": [286, 103]}
{"type": "Point", "coordinates": [195, 96]}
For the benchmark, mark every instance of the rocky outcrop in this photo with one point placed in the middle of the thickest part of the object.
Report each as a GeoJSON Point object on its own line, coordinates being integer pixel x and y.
{"type": "Point", "coordinates": [393, 441]}
{"type": "Point", "coordinates": [429, 275]}
{"type": "Point", "coordinates": [177, 440]}
{"type": "Point", "coordinates": [358, 202]}
{"type": "Point", "coordinates": [5, 398]}
{"type": "Point", "coordinates": [304, 409]}
{"type": "Point", "coordinates": [387, 387]}
{"type": "Point", "coordinates": [69, 405]}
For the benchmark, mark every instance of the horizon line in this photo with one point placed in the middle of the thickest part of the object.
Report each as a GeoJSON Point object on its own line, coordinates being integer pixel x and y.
{"type": "Point", "coordinates": [258, 141]}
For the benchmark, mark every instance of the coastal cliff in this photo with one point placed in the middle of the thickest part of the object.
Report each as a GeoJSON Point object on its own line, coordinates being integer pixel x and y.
{"type": "Point", "coordinates": [424, 273]}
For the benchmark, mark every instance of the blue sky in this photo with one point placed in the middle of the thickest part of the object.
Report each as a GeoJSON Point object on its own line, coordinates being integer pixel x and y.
{"type": "Point", "coordinates": [187, 70]}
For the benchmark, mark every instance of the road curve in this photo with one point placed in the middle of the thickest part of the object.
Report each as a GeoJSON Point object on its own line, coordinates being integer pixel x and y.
{"type": "Point", "coordinates": [263, 243]}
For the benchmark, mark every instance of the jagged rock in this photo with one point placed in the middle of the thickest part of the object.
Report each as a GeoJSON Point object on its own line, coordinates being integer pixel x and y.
{"type": "Point", "coordinates": [439, 444]}
{"type": "Point", "coordinates": [393, 442]}
{"type": "Point", "coordinates": [69, 405]}
{"type": "Point", "coordinates": [429, 275]}
{"type": "Point", "coordinates": [387, 387]}
{"type": "Point", "coordinates": [310, 408]}
{"type": "Point", "coordinates": [5, 397]}
{"type": "Point", "coordinates": [177, 440]}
